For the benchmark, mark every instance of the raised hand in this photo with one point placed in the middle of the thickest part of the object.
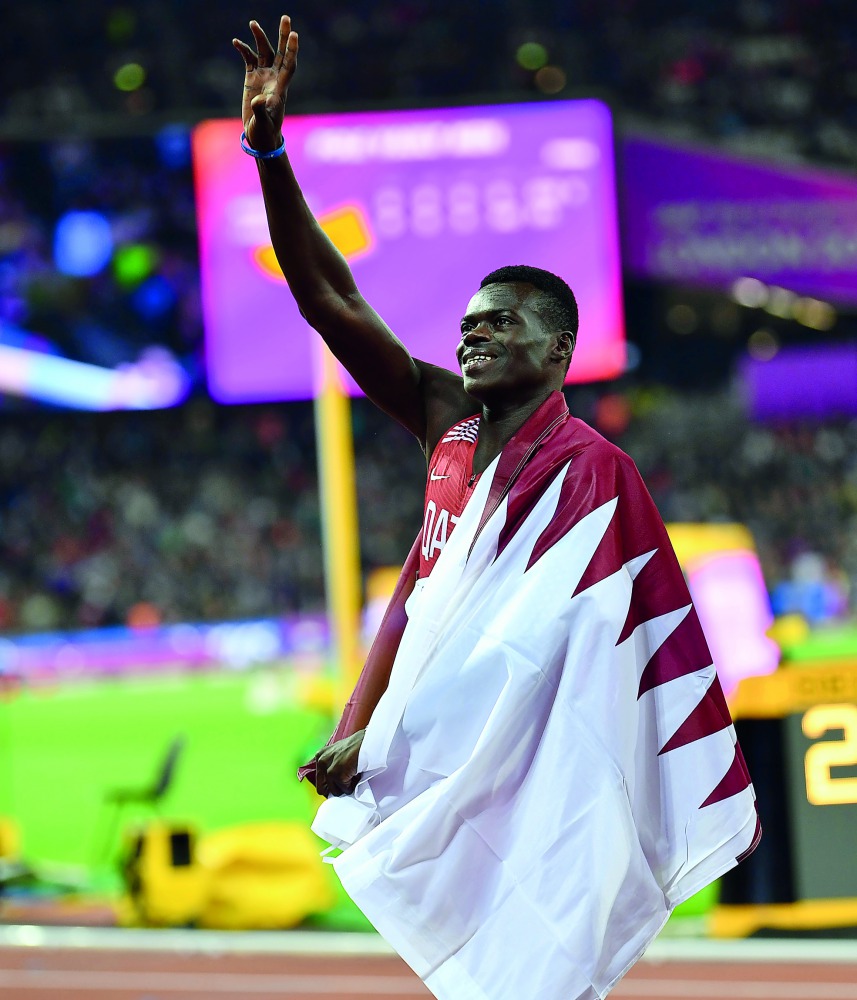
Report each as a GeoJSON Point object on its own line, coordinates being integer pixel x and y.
{"type": "Point", "coordinates": [266, 83]}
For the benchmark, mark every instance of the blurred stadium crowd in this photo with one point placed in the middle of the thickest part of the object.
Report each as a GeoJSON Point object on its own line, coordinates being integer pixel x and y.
{"type": "Point", "coordinates": [205, 512]}
{"type": "Point", "coordinates": [191, 514]}
{"type": "Point", "coordinates": [776, 76]}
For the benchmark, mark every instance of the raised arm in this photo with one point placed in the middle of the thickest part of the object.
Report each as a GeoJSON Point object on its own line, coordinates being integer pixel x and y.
{"type": "Point", "coordinates": [316, 272]}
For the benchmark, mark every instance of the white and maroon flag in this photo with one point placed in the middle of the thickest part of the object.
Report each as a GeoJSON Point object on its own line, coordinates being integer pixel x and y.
{"type": "Point", "coordinates": [552, 767]}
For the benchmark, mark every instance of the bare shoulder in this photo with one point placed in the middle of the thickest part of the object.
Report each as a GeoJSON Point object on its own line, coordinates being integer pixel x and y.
{"type": "Point", "coordinates": [445, 402]}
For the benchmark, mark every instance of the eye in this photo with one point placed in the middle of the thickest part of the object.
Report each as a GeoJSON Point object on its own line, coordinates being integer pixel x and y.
{"type": "Point", "coordinates": [503, 321]}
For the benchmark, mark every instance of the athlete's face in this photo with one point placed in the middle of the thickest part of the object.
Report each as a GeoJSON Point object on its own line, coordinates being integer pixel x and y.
{"type": "Point", "coordinates": [506, 348]}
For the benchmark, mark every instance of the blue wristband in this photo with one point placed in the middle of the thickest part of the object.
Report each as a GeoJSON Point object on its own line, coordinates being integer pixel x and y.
{"type": "Point", "coordinates": [262, 156]}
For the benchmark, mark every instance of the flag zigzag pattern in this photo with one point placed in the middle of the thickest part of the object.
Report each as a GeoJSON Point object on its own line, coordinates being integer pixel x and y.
{"type": "Point", "coordinates": [736, 779]}
{"type": "Point", "coordinates": [635, 542]}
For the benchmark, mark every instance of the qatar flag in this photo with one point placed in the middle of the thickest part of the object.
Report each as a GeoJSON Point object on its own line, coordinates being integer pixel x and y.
{"type": "Point", "coordinates": [551, 767]}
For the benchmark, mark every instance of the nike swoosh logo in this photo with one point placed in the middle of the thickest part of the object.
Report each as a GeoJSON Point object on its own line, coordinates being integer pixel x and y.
{"type": "Point", "coordinates": [435, 478]}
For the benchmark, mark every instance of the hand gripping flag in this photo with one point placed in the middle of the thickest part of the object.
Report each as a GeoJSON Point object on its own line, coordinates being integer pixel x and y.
{"type": "Point", "coordinates": [551, 767]}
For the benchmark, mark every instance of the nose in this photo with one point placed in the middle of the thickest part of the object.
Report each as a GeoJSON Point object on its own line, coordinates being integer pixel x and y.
{"type": "Point", "coordinates": [480, 332]}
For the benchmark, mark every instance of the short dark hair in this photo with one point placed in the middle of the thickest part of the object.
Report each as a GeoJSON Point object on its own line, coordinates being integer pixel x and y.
{"type": "Point", "coordinates": [559, 306]}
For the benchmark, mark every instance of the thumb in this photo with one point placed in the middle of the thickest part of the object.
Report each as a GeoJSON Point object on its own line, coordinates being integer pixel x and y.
{"type": "Point", "coordinates": [258, 106]}
{"type": "Point", "coordinates": [260, 128]}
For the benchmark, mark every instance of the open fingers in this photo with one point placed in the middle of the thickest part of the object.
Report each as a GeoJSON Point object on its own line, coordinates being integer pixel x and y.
{"type": "Point", "coordinates": [266, 53]}
{"type": "Point", "coordinates": [282, 41]}
{"type": "Point", "coordinates": [287, 44]}
{"type": "Point", "coordinates": [285, 64]}
{"type": "Point", "coordinates": [251, 60]}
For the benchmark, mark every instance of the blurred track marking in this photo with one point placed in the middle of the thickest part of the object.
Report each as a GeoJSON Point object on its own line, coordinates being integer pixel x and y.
{"type": "Point", "coordinates": [46, 962]}
{"type": "Point", "coordinates": [331, 944]}
{"type": "Point", "coordinates": [68, 981]}
{"type": "Point", "coordinates": [192, 942]}
{"type": "Point", "coordinates": [73, 981]}
{"type": "Point", "coordinates": [731, 990]}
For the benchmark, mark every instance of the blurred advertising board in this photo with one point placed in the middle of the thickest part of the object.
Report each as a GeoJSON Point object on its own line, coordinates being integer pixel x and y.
{"type": "Point", "coordinates": [725, 580]}
{"type": "Point", "coordinates": [423, 204]}
{"type": "Point", "coordinates": [802, 381]}
{"type": "Point", "coordinates": [53, 657]}
{"type": "Point", "coordinates": [694, 216]}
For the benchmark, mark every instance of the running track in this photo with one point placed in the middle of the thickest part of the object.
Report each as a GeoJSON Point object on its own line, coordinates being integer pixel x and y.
{"type": "Point", "coordinates": [79, 964]}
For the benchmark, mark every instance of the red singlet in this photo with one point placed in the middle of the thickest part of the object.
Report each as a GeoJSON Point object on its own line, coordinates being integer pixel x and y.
{"type": "Point", "coordinates": [449, 486]}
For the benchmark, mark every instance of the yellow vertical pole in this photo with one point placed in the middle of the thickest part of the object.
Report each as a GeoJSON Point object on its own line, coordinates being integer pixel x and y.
{"type": "Point", "coordinates": [338, 498]}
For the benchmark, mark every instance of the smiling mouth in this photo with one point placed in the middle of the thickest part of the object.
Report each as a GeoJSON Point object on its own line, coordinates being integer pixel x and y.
{"type": "Point", "coordinates": [476, 362]}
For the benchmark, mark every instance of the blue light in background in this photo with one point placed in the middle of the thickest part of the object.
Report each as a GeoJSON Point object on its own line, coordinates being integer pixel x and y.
{"type": "Point", "coordinates": [154, 298]}
{"type": "Point", "coordinates": [173, 142]}
{"type": "Point", "coordinates": [83, 243]}
{"type": "Point", "coordinates": [16, 336]}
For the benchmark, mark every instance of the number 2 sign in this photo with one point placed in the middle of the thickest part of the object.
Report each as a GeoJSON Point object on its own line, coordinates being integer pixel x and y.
{"type": "Point", "coordinates": [823, 786]}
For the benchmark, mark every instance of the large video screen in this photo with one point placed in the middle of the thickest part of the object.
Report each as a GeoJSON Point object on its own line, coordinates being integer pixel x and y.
{"type": "Point", "coordinates": [706, 218]}
{"type": "Point", "coordinates": [423, 204]}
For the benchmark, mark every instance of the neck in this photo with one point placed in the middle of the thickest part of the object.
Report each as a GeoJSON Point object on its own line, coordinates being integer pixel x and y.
{"type": "Point", "coordinates": [499, 423]}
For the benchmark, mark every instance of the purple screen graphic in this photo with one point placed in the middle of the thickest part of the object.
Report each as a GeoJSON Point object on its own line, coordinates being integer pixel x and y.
{"type": "Point", "coordinates": [705, 218]}
{"type": "Point", "coordinates": [816, 382]}
{"type": "Point", "coordinates": [423, 204]}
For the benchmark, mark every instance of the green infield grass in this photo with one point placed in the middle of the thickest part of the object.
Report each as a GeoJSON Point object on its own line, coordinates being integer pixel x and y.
{"type": "Point", "coordinates": [63, 749]}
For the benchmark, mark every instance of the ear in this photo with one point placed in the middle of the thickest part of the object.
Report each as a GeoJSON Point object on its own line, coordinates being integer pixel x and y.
{"type": "Point", "coordinates": [563, 347]}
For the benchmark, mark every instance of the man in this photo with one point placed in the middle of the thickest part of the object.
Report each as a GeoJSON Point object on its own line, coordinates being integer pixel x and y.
{"type": "Point", "coordinates": [537, 764]}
